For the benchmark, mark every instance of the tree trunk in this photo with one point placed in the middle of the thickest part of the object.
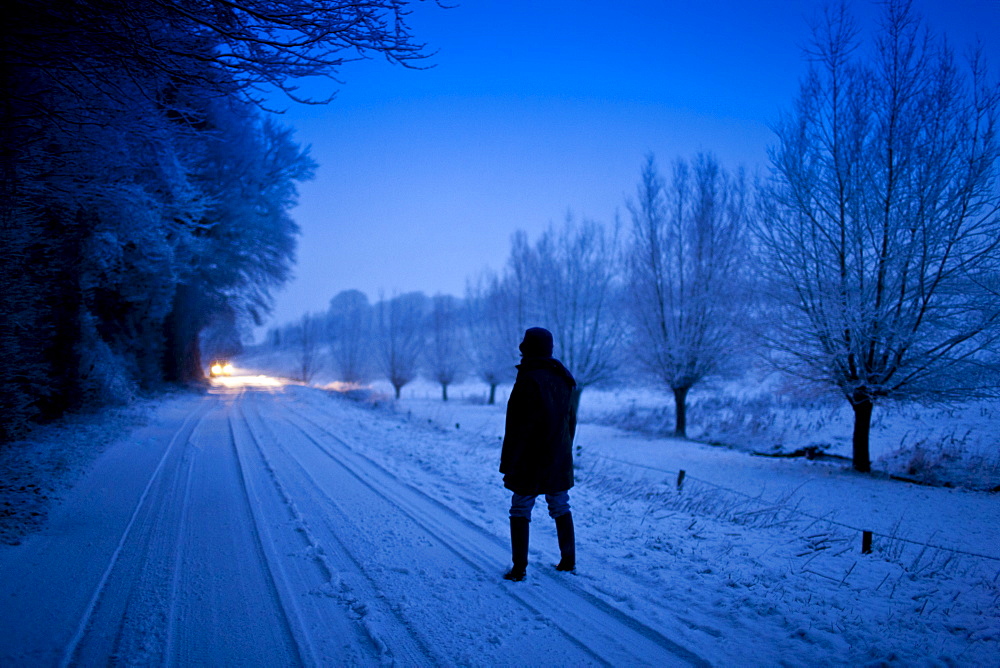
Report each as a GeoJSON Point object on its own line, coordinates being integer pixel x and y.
{"type": "Point", "coordinates": [574, 405]}
{"type": "Point", "coordinates": [680, 407]}
{"type": "Point", "coordinates": [574, 399]}
{"type": "Point", "coordinates": [862, 429]}
{"type": "Point", "coordinates": [182, 357]}
{"type": "Point", "coordinates": [63, 307]}
{"type": "Point", "coordinates": [398, 388]}
{"type": "Point", "coordinates": [444, 391]}
{"type": "Point", "coordinates": [493, 394]}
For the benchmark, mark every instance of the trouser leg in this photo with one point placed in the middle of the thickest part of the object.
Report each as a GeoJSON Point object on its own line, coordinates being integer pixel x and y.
{"type": "Point", "coordinates": [558, 504]}
{"type": "Point", "coordinates": [520, 505]}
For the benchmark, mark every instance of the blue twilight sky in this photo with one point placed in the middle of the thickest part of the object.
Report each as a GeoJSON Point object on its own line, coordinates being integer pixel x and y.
{"type": "Point", "coordinates": [535, 108]}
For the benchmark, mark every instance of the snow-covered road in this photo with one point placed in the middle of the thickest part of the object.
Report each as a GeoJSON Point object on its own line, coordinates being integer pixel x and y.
{"type": "Point", "coordinates": [245, 527]}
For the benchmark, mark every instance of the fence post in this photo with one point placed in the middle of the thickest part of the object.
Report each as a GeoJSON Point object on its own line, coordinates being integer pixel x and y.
{"type": "Point", "coordinates": [866, 542]}
{"type": "Point", "coordinates": [680, 479]}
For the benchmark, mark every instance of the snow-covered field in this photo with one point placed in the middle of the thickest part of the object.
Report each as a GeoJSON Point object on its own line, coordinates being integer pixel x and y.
{"type": "Point", "coordinates": [327, 529]}
{"type": "Point", "coordinates": [948, 445]}
{"type": "Point", "coordinates": [765, 552]}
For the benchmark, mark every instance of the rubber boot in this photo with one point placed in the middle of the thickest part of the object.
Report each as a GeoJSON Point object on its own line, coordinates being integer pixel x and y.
{"type": "Point", "coordinates": [567, 543]}
{"type": "Point", "coordinates": [518, 548]}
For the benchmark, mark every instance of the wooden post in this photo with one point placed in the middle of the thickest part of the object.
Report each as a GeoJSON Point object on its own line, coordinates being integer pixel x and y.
{"type": "Point", "coordinates": [680, 480]}
{"type": "Point", "coordinates": [866, 542]}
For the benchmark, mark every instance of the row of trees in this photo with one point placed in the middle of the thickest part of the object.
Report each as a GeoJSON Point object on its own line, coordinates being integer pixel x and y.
{"type": "Point", "coordinates": [865, 262]}
{"type": "Point", "coordinates": [661, 300]}
{"type": "Point", "coordinates": [395, 338]}
{"type": "Point", "coordinates": [144, 192]}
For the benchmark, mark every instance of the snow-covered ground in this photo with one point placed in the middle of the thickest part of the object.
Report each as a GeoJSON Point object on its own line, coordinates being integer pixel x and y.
{"type": "Point", "coordinates": [283, 524]}
{"type": "Point", "coordinates": [765, 552]}
{"type": "Point", "coordinates": [948, 445]}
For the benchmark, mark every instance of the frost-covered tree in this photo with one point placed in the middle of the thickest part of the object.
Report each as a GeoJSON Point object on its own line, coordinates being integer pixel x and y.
{"type": "Point", "coordinates": [244, 242]}
{"type": "Point", "coordinates": [492, 320]}
{"type": "Point", "coordinates": [350, 330]}
{"type": "Point", "coordinates": [310, 330]}
{"type": "Point", "coordinates": [122, 181]}
{"type": "Point", "coordinates": [574, 288]}
{"type": "Point", "coordinates": [400, 337]}
{"type": "Point", "coordinates": [881, 206]}
{"type": "Point", "coordinates": [445, 353]}
{"type": "Point", "coordinates": [567, 282]}
{"type": "Point", "coordinates": [686, 273]}
{"type": "Point", "coordinates": [222, 338]}
{"type": "Point", "coordinates": [97, 196]}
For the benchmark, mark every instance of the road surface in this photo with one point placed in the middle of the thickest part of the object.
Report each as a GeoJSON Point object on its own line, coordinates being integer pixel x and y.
{"type": "Point", "coordinates": [245, 527]}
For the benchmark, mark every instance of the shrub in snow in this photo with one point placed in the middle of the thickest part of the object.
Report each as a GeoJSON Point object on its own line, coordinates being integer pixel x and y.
{"type": "Point", "coordinates": [361, 394]}
{"type": "Point", "coordinates": [105, 378]}
{"type": "Point", "coordinates": [947, 460]}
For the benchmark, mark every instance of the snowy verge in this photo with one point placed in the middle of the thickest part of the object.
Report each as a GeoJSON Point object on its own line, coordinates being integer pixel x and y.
{"type": "Point", "coordinates": [948, 445]}
{"type": "Point", "coordinates": [37, 470]}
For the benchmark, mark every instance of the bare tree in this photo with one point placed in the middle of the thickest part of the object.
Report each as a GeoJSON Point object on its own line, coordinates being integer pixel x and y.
{"type": "Point", "coordinates": [519, 284]}
{"type": "Point", "coordinates": [217, 45]}
{"type": "Point", "coordinates": [568, 282]}
{"type": "Point", "coordinates": [349, 326]}
{"type": "Point", "coordinates": [882, 201]}
{"type": "Point", "coordinates": [573, 282]}
{"type": "Point", "coordinates": [685, 273]}
{"type": "Point", "coordinates": [310, 331]}
{"type": "Point", "coordinates": [400, 337]}
{"type": "Point", "coordinates": [494, 330]}
{"type": "Point", "coordinates": [445, 352]}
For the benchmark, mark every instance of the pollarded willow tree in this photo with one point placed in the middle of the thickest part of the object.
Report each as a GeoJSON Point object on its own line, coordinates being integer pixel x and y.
{"type": "Point", "coordinates": [687, 274]}
{"type": "Point", "coordinates": [445, 355]}
{"type": "Point", "coordinates": [400, 342]}
{"type": "Point", "coordinates": [491, 318]}
{"type": "Point", "coordinates": [350, 331]}
{"type": "Point", "coordinates": [573, 288]}
{"type": "Point", "coordinates": [567, 282]}
{"type": "Point", "coordinates": [881, 206]}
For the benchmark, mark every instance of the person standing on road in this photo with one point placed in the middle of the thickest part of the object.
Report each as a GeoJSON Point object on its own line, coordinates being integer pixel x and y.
{"type": "Point", "coordinates": [537, 454]}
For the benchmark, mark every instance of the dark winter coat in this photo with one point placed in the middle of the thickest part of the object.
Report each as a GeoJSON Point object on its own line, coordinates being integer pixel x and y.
{"type": "Point", "coordinates": [537, 455]}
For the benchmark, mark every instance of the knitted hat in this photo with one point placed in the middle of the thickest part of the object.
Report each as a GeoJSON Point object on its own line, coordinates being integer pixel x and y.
{"type": "Point", "coordinates": [537, 343]}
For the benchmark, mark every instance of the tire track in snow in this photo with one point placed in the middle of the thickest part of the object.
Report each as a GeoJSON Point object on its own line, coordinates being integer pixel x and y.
{"type": "Point", "coordinates": [190, 580]}
{"type": "Point", "coordinates": [601, 631]}
{"type": "Point", "coordinates": [358, 540]}
{"type": "Point", "coordinates": [225, 603]}
{"type": "Point", "coordinates": [182, 436]}
{"type": "Point", "coordinates": [296, 643]}
{"type": "Point", "coordinates": [171, 630]}
{"type": "Point", "coordinates": [337, 563]}
{"type": "Point", "coordinates": [326, 631]}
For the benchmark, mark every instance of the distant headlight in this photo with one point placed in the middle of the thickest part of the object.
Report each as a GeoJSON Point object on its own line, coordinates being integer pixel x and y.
{"type": "Point", "coordinates": [221, 369]}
